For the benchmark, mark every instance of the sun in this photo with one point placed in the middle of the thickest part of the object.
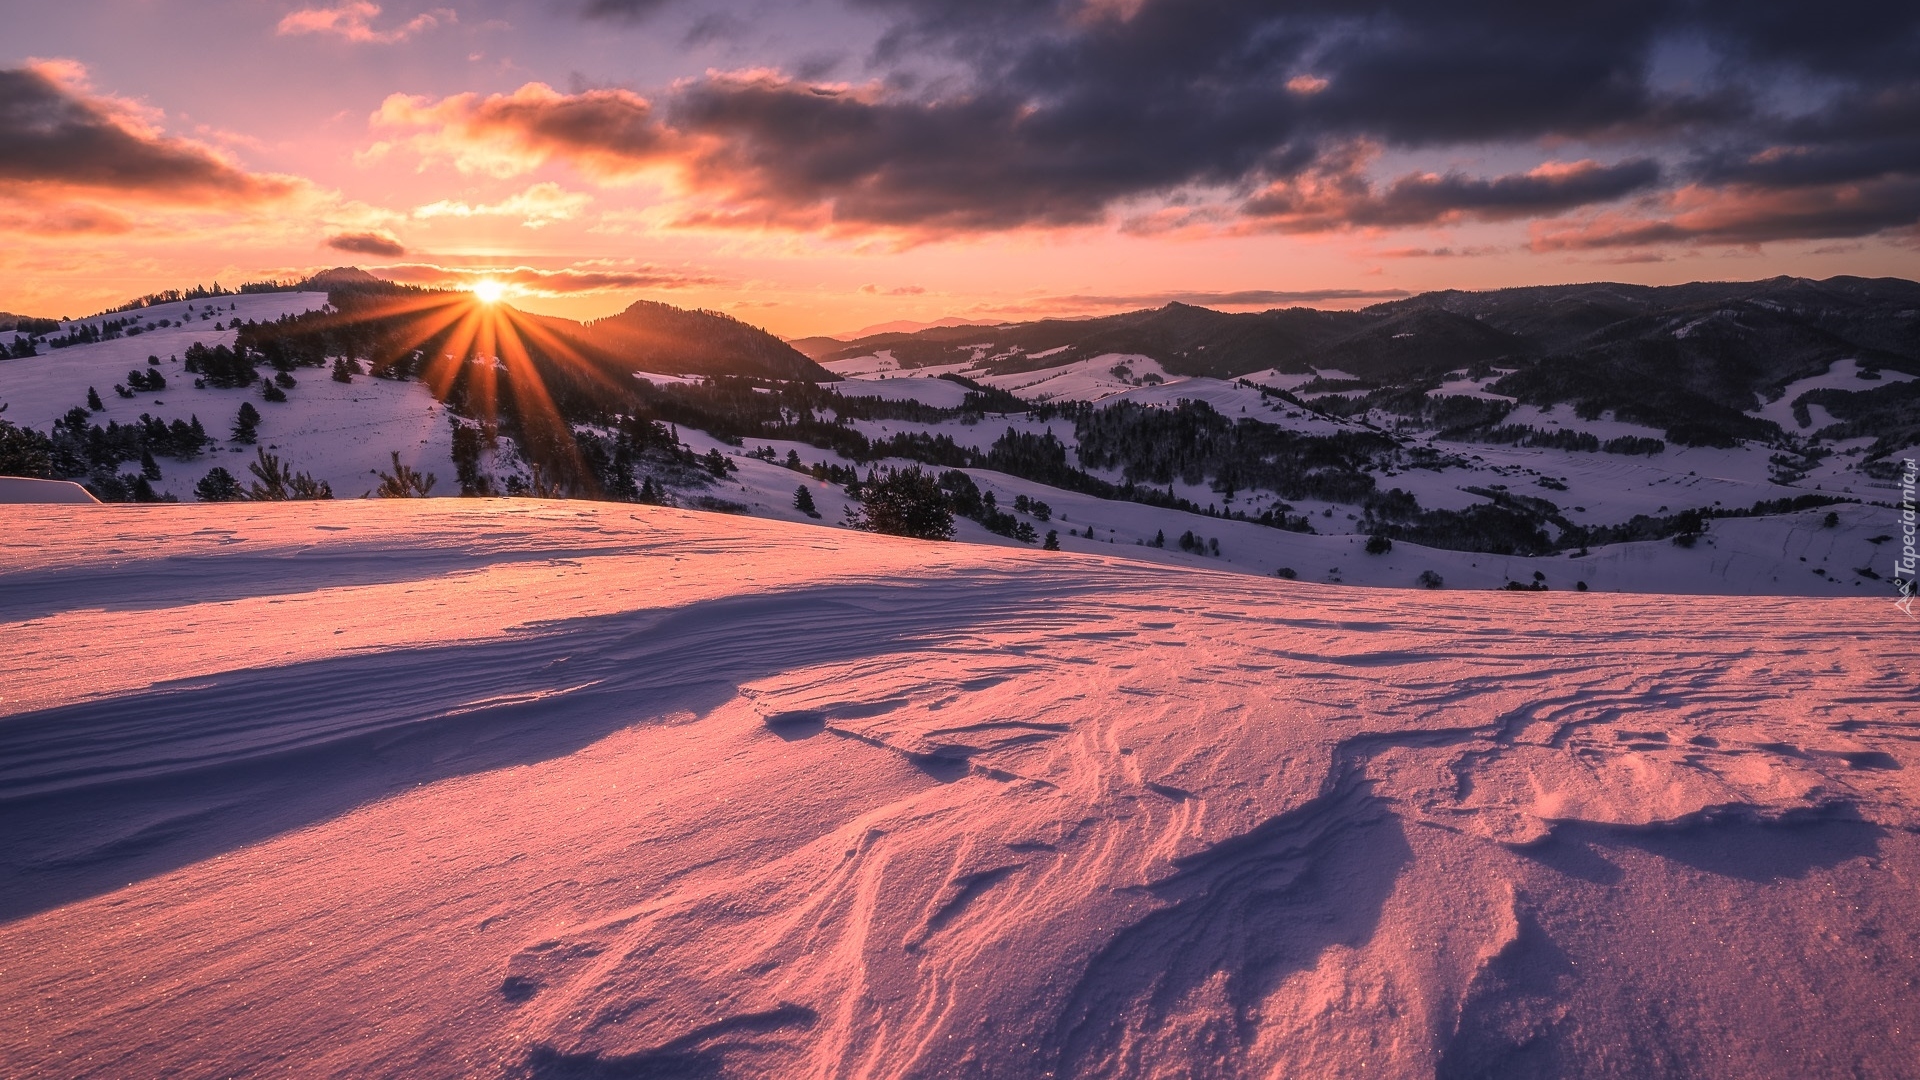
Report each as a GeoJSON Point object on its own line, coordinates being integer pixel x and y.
{"type": "Point", "coordinates": [489, 291]}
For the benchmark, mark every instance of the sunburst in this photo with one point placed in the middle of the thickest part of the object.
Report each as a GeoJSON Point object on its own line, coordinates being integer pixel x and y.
{"type": "Point", "coordinates": [487, 350]}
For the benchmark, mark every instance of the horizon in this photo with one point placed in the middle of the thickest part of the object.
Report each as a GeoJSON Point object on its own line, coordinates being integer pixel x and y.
{"type": "Point", "coordinates": [910, 326]}
{"type": "Point", "coordinates": [819, 166]}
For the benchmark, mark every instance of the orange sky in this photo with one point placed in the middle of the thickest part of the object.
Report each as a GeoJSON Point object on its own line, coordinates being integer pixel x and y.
{"type": "Point", "coordinates": [795, 169]}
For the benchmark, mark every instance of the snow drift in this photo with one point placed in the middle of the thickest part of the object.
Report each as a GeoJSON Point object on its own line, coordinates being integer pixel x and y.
{"type": "Point", "coordinates": [564, 789]}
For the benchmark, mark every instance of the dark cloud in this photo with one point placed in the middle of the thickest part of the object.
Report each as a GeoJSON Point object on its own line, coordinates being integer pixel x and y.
{"type": "Point", "coordinates": [1747, 215]}
{"type": "Point", "coordinates": [55, 136]}
{"type": "Point", "coordinates": [1324, 200]}
{"type": "Point", "coordinates": [368, 243]}
{"type": "Point", "coordinates": [628, 10]}
{"type": "Point", "coordinates": [998, 114]}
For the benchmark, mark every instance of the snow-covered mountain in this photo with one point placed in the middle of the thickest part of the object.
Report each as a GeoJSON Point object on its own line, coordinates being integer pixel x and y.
{"type": "Point", "coordinates": [1270, 471]}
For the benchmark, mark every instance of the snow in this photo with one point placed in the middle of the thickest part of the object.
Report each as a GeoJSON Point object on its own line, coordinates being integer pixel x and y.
{"type": "Point", "coordinates": [1083, 380]}
{"type": "Point", "coordinates": [658, 379]}
{"type": "Point", "coordinates": [862, 366]}
{"type": "Point", "coordinates": [925, 389]}
{"type": "Point", "coordinates": [506, 787]}
{"type": "Point", "coordinates": [1844, 375]}
{"type": "Point", "coordinates": [40, 389]}
{"type": "Point", "coordinates": [343, 433]}
{"type": "Point", "coordinates": [18, 489]}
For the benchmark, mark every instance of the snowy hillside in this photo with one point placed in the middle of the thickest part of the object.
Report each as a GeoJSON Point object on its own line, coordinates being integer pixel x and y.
{"type": "Point", "coordinates": [560, 789]}
{"type": "Point", "coordinates": [342, 433]}
{"type": "Point", "coordinates": [1299, 474]}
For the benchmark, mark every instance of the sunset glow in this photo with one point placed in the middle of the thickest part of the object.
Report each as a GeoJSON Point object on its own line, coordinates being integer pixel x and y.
{"type": "Point", "coordinates": [818, 169]}
{"type": "Point", "coordinates": [489, 291]}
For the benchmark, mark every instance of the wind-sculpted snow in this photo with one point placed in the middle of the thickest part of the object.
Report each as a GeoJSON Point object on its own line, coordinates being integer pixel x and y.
{"type": "Point", "coordinates": [556, 790]}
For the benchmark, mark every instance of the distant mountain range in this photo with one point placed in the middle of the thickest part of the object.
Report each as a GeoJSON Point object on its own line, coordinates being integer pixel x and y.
{"type": "Point", "coordinates": [1691, 358]}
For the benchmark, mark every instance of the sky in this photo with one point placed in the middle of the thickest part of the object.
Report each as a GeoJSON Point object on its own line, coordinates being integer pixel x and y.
{"type": "Point", "coordinates": [821, 166]}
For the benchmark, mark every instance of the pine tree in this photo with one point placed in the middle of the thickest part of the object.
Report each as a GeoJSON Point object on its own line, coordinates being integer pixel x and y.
{"type": "Point", "coordinates": [93, 400]}
{"type": "Point", "coordinates": [246, 425]}
{"type": "Point", "coordinates": [219, 486]}
{"type": "Point", "coordinates": [404, 482]}
{"type": "Point", "coordinates": [271, 392]}
{"type": "Point", "coordinates": [904, 503]}
{"type": "Point", "coordinates": [1053, 541]}
{"type": "Point", "coordinates": [278, 482]}
{"type": "Point", "coordinates": [803, 501]}
{"type": "Point", "coordinates": [342, 370]}
{"type": "Point", "coordinates": [149, 468]}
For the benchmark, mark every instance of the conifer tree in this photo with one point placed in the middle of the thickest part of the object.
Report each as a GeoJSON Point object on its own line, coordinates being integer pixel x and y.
{"type": "Point", "coordinates": [246, 425]}
{"type": "Point", "coordinates": [803, 501]}
{"type": "Point", "coordinates": [219, 486]}
{"type": "Point", "coordinates": [404, 482]}
{"type": "Point", "coordinates": [1052, 542]}
{"type": "Point", "coordinates": [908, 502]}
{"type": "Point", "coordinates": [93, 400]}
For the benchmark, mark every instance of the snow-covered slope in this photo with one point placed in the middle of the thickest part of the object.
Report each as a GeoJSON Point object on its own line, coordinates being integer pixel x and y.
{"type": "Point", "coordinates": [510, 788]}
{"type": "Point", "coordinates": [346, 433]}
{"type": "Point", "coordinates": [343, 433]}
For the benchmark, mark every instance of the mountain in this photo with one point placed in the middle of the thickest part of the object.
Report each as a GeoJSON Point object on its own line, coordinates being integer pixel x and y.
{"type": "Point", "coordinates": [1782, 328]}
{"type": "Point", "coordinates": [903, 326]}
{"type": "Point", "coordinates": [1692, 359]}
{"type": "Point", "coordinates": [342, 277]}
{"type": "Point", "coordinates": [676, 341]}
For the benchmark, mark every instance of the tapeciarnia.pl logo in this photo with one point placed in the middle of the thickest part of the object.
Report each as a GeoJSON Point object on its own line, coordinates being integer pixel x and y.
{"type": "Point", "coordinates": [1903, 566]}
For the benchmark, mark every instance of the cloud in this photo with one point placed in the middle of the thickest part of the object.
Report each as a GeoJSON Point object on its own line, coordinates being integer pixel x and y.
{"type": "Point", "coordinates": [1340, 195]}
{"type": "Point", "coordinates": [368, 243]}
{"type": "Point", "coordinates": [612, 134]}
{"type": "Point", "coordinates": [898, 290]}
{"type": "Point", "coordinates": [1746, 215]}
{"type": "Point", "coordinates": [1446, 252]}
{"type": "Point", "coordinates": [1239, 115]}
{"type": "Point", "coordinates": [71, 219]}
{"type": "Point", "coordinates": [353, 21]}
{"type": "Point", "coordinates": [537, 207]}
{"type": "Point", "coordinates": [628, 10]}
{"type": "Point", "coordinates": [59, 136]}
{"type": "Point", "coordinates": [561, 282]}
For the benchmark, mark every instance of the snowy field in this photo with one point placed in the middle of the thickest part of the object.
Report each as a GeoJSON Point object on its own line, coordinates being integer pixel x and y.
{"type": "Point", "coordinates": [513, 788]}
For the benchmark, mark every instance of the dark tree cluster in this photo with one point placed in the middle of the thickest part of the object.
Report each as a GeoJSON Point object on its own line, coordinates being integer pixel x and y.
{"type": "Point", "coordinates": [90, 333]}
{"type": "Point", "coordinates": [904, 502]}
{"type": "Point", "coordinates": [1561, 439]}
{"type": "Point", "coordinates": [1193, 443]}
{"type": "Point", "coordinates": [220, 366]}
{"type": "Point", "coordinates": [77, 448]}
